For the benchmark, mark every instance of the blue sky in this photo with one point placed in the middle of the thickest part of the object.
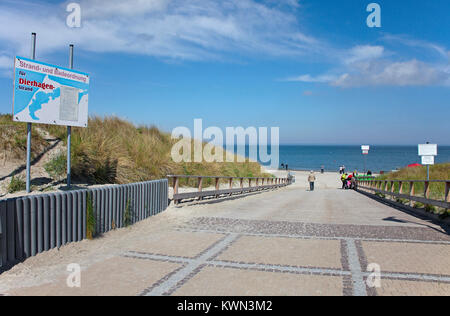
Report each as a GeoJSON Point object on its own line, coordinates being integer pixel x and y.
{"type": "Point", "coordinates": [312, 68]}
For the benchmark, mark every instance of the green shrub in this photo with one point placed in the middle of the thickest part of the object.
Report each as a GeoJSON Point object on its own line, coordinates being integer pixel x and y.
{"type": "Point", "coordinates": [16, 184]}
{"type": "Point", "coordinates": [90, 221]}
{"type": "Point", "coordinates": [128, 215]}
{"type": "Point", "coordinates": [57, 167]}
{"type": "Point", "coordinates": [380, 195]}
{"type": "Point", "coordinates": [402, 201]}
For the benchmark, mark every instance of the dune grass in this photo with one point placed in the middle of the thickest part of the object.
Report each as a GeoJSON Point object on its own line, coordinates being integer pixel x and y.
{"type": "Point", "coordinates": [13, 140]}
{"type": "Point", "coordinates": [437, 172]}
{"type": "Point", "coordinates": [437, 190]}
{"type": "Point", "coordinates": [112, 150]}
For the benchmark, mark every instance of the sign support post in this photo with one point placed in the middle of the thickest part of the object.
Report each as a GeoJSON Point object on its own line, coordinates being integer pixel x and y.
{"type": "Point", "coordinates": [28, 180]}
{"type": "Point", "coordinates": [365, 151]}
{"type": "Point", "coordinates": [69, 129]}
{"type": "Point", "coordinates": [48, 94]}
{"type": "Point", "coordinates": [428, 152]}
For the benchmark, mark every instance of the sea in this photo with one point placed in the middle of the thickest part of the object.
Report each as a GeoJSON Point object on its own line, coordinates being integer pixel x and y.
{"type": "Point", "coordinates": [380, 158]}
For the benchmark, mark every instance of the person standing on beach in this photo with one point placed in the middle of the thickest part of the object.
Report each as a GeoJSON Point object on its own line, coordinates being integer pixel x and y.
{"type": "Point", "coordinates": [343, 179]}
{"type": "Point", "coordinates": [340, 170]}
{"type": "Point", "coordinates": [311, 180]}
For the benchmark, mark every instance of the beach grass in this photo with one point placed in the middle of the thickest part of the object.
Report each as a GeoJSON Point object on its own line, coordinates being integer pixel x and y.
{"type": "Point", "coordinates": [437, 172]}
{"type": "Point", "coordinates": [437, 189]}
{"type": "Point", "coordinates": [13, 139]}
{"type": "Point", "coordinates": [113, 150]}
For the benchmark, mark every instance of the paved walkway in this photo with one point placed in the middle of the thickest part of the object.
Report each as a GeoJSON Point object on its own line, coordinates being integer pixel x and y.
{"type": "Point", "coordinates": [285, 242]}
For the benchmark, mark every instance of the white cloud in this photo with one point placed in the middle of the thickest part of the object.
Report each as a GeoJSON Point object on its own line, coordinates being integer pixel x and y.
{"type": "Point", "coordinates": [312, 79]}
{"type": "Point", "coordinates": [364, 53]}
{"type": "Point", "coordinates": [368, 65]}
{"type": "Point", "coordinates": [108, 8]}
{"type": "Point", "coordinates": [409, 73]}
{"type": "Point", "coordinates": [211, 30]}
{"type": "Point", "coordinates": [421, 44]}
{"type": "Point", "coordinates": [169, 29]}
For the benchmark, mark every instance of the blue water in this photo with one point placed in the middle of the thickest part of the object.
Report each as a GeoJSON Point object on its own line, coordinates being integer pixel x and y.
{"type": "Point", "coordinates": [380, 158]}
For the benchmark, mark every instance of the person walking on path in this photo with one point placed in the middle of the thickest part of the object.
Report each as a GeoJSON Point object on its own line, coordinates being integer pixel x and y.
{"type": "Point", "coordinates": [311, 180]}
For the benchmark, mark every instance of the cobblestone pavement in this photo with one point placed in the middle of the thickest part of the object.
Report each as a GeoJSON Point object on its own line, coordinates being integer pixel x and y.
{"type": "Point", "coordinates": [286, 242]}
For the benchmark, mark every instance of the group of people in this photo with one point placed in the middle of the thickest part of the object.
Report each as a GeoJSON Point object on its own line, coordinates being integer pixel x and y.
{"type": "Point", "coordinates": [349, 180]}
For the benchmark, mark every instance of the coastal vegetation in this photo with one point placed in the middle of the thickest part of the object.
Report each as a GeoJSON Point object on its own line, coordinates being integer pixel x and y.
{"type": "Point", "coordinates": [114, 151]}
{"type": "Point", "coordinates": [437, 172]}
{"type": "Point", "coordinates": [437, 189]}
{"type": "Point", "coordinates": [13, 140]}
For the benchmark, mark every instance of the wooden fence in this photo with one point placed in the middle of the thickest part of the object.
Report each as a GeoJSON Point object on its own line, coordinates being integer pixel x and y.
{"type": "Point", "coordinates": [415, 191]}
{"type": "Point", "coordinates": [245, 185]}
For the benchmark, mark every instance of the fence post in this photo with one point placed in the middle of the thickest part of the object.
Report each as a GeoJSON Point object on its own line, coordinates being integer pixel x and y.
{"type": "Point", "coordinates": [200, 187]}
{"type": "Point", "coordinates": [392, 189]}
{"type": "Point", "coordinates": [217, 186]}
{"type": "Point", "coordinates": [411, 192]}
{"type": "Point", "coordinates": [426, 192]}
{"type": "Point", "coordinates": [175, 187]}
{"type": "Point", "coordinates": [447, 191]}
